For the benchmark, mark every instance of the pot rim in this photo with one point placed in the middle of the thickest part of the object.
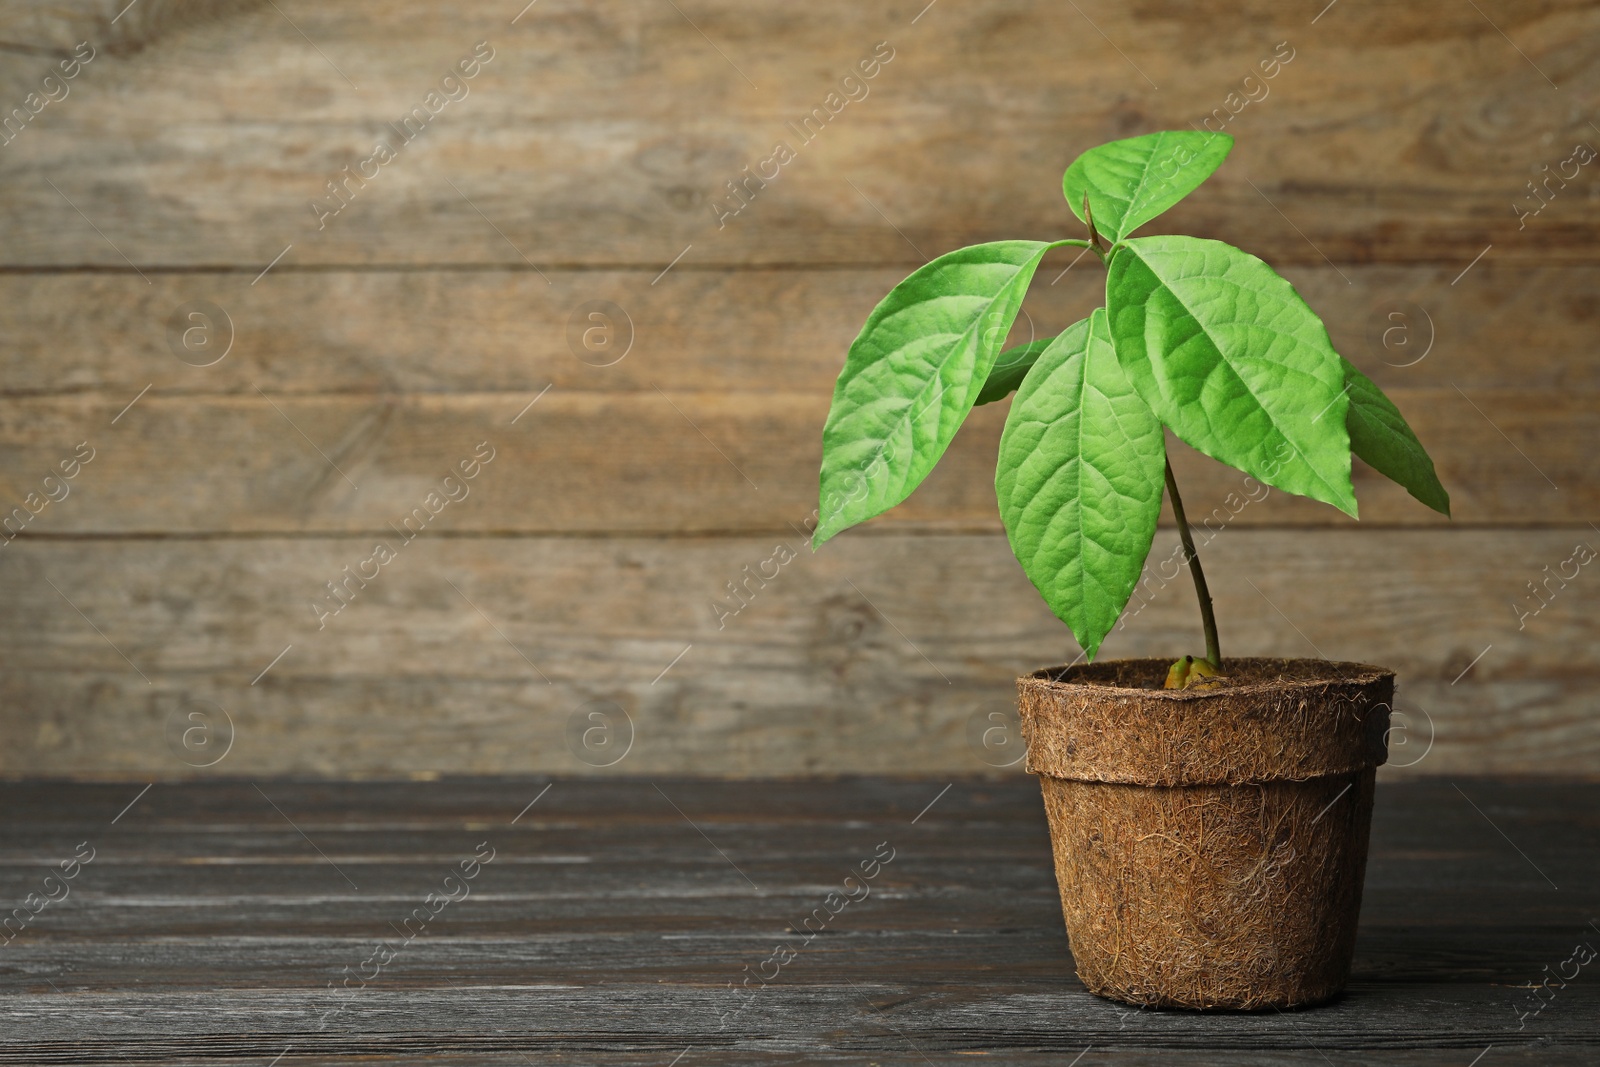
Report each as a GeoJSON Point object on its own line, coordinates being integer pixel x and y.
{"type": "Point", "coordinates": [1332, 720]}
{"type": "Point", "coordinates": [1341, 672]}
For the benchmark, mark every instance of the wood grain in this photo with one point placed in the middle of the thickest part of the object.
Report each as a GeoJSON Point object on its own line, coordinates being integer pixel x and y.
{"type": "Point", "coordinates": [1390, 136]}
{"type": "Point", "coordinates": [1380, 173]}
{"type": "Point", "coordinates": [708, 331]}
{"type": "Point", "coordinates": [409, 366]}
{"type": "Point", "coordinates": [879, 653]}
{"type": "Point", "coordinates": [214, 915]}
{"type": "Point", "coordinates": [669, 461]}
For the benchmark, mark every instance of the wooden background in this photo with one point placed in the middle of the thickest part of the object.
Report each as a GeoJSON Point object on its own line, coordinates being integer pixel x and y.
{"type": "Point", "coordinates": [159, 618]}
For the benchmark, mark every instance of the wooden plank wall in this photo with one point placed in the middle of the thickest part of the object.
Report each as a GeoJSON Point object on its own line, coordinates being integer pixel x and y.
{"type": "Point", "coordinates": [169, 614]}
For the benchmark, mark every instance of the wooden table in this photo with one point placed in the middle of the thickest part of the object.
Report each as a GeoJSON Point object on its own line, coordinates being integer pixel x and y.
{"type": "Point", "coordinates": [606, 921]}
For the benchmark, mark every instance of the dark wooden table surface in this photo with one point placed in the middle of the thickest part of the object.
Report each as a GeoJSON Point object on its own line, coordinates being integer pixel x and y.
{"type": "Point", "coordinates": [290, 923]}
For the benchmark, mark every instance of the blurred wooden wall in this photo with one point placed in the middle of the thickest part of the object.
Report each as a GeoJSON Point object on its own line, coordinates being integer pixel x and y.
{"type": "Point", "coordinates": [159, 616]}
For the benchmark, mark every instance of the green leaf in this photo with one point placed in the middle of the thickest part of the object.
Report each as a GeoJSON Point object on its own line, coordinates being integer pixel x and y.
{"type": "Point", "coordinates": [1081, 472]}
{"type": "Point", "coordinates": [1010, 367]}
{"type": "Point", "coordinates": [912, 375]}
{"type": "Point", "coordinates": [1380, 437]}
{"type": "Point", "coordinates": [1227, 354]}
{"type": "Point", "coordinates": [1130, 182]}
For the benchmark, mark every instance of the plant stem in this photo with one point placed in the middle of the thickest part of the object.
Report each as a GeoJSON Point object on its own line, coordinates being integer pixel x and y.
{"type": "Point", "coordinates": [1207, 619]}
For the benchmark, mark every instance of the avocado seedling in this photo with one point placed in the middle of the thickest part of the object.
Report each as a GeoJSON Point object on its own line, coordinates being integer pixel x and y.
{"type": "Point", "coordinates": [1204, 340]}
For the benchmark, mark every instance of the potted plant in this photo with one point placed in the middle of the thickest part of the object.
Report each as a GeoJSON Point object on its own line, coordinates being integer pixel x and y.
{"type": "Point", "coordinates": [1209, 817]}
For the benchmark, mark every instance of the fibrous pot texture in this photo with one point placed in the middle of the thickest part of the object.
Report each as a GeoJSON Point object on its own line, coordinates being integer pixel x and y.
{"type": "Point", "coordinates": [1210, 844]}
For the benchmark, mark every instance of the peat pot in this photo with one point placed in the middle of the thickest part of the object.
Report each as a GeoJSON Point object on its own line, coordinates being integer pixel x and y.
{"type": "Point", "coordinates": [1210, 844]}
